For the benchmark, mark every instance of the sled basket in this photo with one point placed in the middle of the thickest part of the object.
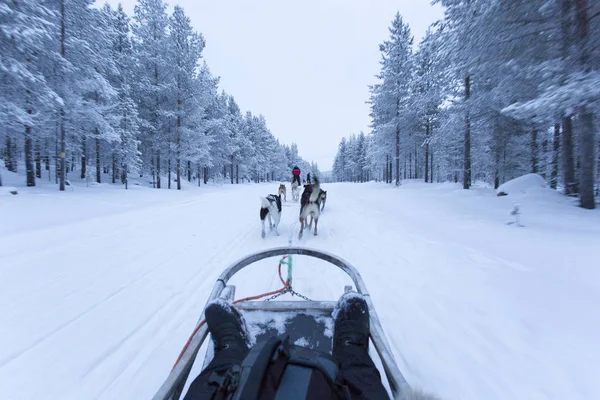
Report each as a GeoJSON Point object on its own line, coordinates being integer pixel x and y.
{"type": "Point", "coordinates": [308, 323]}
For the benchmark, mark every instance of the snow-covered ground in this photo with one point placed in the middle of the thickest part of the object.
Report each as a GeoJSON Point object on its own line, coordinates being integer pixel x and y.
{"type": "Point", "coordinates": [100, 287]}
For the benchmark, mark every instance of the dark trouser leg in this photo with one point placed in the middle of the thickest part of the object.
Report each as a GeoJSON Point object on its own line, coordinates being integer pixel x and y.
{"type": "Point", "coordinates": [360, 374]}
{"type": "Point", "coordinates": [205, 385]}
{"type": "Point", "coordinates": [350, 349]}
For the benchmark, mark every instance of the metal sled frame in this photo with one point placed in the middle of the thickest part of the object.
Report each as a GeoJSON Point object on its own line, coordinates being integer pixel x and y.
{"type": "Point", "coordinates": [175, 383]}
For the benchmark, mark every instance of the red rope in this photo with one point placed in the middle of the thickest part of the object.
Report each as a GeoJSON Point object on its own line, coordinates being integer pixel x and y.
{"type": "Point", "coordinates": [259, 296]}
{"type": "Point", "coordinates": [285, 283]}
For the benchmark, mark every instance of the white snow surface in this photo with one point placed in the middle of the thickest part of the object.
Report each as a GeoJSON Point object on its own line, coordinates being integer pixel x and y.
{"type": "Point", "coordinates": [8, 190]}
{"type": "Point", "coordinates": [101, 287]}
{"type": "Point", "coordinates": [522, 184]}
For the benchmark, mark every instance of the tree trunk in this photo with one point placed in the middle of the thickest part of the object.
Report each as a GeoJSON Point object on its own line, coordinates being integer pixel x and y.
{"type": "Point", "coordinates": [397, 156]}
{"type": "Point", "coordinates": [29, 155]}
{"type": "Point", "coordinates": [456, 164]}
{"type": "Point", "coordinates": [410, 170]}
{"type": "Point", "coordinates": [544, 158]}
{"type": "Point", "coordinates": [98, 160]}
{"type": "Point", "coordinates": [555, 156]}
{"type": "Point", "coordinates": [427, 150]}
{"type": "Point", "coordinates": [567, 157]}
{"type": "Point", "coordinates": [237, 173]}
{"type": "Point", "coordinates": [178, 161]}
{"type": "Point", "coordinates": [83, 157]}
{"type": "Point", "coordinates": [156, 122]}
{"type": "Point", "coordinates": [467, 150]}
{"type": "Point", "coordinates": [38, 159]}
{"type": "Point", "coordinates": [598, 171]}
{"type": "Point", "coordinates": [47, 155]}
{"type": "Point", "coordinates": [153, 172]}
{"type": "Point", "coordinates": [57, 164]}
{"type": "Point", "coordinates": [231, 170]}
{"type": "Point", "coordinates": [199, 175]}
{"type": "Point", "coordinates": [115, 168]}
{"type": "Point", "coordinates": [387, 166]}
{"type": "Point", "coordinates": [497, 166]}
{"type": "Point", "coordinates": [431, 180]}
{"type": "Point", "coordinates": [8, 154]}
{"type": "Point", "coordinates": [205, 175]}
{"type": "Point", "coordinates": [496, 178]}
{"type": "Point", "coordinates": [15, 152]}
{"type": "Point", "coordinates": [586, 148]}
{"type": "Point", "coordinates": [9, 162]}
{"type": "Point", "coordinates": [169, 171]}
{"type": "Point", "coordinates": [534, 152]}
{"type": "Point", "coordinates": [504, 162]}
{"type": "Point", "coordinates": [416, 163]}
{"type": "Point", "coordinates": [586, 143]}
{"type": "Point", "coordinates": [189, 171]}
{"type": "Point", "coordinates": [158, 169]}
{"type": "Point", "coordinates": [63, 136]}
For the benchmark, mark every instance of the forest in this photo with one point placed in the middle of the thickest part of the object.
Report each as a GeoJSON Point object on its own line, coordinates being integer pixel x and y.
{"type": "Point", "coordinates": [495, 90]}
{"type": "Point", "coordinates": [89, 93]}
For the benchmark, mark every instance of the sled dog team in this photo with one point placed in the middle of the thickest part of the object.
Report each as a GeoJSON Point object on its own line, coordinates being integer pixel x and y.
{"type": "Point", "coordinates": [312, 203]}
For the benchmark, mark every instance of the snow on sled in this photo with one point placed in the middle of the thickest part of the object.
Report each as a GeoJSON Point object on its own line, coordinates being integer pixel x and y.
{"type": "Point", "coordinates": [308, 323]}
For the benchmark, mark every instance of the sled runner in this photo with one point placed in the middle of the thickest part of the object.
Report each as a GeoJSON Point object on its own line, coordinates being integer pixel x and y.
{"type": "Point", "coordinates": [308, 323]}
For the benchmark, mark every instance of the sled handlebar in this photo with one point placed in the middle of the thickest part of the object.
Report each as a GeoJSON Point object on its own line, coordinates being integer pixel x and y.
{"type": "Point", "coordinates": [174, 385]}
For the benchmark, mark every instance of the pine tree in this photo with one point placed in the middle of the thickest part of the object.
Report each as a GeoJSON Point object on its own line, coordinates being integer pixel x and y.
{"type": "Point", "coordinates": [26, 29]}
{"type": "Point", "coordinates": [186, 47]}
{"type": "Point", "coordinates": [388, 98]}
{"type": "Point", "coordinates": [153, 81]}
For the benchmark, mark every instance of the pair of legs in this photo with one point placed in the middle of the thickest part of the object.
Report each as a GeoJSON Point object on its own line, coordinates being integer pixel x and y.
{"type": "Point", "coordinates": [350, 349]}
{"type": "Point", "coordinates": [296, 178]}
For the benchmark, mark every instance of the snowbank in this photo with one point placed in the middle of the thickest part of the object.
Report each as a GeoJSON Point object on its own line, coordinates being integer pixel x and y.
{"type": "Point", "coordinates": [521, 184]}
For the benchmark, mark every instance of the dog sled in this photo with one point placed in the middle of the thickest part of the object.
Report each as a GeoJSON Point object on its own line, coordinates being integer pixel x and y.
{"type": "Point", "coordinates": [308, 322]}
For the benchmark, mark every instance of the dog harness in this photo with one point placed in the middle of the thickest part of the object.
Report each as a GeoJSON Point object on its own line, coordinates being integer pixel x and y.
{"type": "Point", "coordinates": [276, 199]}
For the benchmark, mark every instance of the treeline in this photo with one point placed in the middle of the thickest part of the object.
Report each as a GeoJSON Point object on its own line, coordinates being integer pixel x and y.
{"type": "Point", "coordinates": [494, 90]}
{"type": "Point", "coordinates": [92, 93]}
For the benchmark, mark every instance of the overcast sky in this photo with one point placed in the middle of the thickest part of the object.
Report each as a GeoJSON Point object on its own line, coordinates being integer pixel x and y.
{"type": "Point", "coordinates": [305, 65]}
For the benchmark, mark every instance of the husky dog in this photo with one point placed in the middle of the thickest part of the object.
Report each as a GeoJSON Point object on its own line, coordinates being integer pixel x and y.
{"type": "Point", "coordinates": [282, 191]}
{"type": "Point", "coordinates": [295, 191]}
{"type": "Point", "coordinates": [270, 207]}
{"type": "Point", "coordinates": [310, 206]}
{"type": "Point", "coordinates": [323, 197]}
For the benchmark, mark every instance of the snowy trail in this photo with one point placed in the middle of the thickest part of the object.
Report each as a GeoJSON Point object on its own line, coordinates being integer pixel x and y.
{"type": "Point", "coordinates": [98, 308]}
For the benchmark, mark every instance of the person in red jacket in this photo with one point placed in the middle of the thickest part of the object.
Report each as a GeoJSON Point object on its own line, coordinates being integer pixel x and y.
{"type": "Point", "coordinates": [296, 175]}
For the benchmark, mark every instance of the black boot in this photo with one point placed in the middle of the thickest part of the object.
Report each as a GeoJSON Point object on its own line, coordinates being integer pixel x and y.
{"type": "Point", "coordinates": [228, 332]}
{"type": "Point", "coordinates": [351, 323]}
{"type": "Point", "coordinates": [351, 348]}
{"type": "Point", "coordinates": [229, 335]}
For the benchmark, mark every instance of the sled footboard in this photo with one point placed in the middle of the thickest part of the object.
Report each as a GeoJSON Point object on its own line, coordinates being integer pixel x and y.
{"type": "Point", "coordinates": [309, 323]}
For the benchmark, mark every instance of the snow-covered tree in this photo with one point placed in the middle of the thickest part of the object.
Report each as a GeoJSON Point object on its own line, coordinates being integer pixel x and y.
{"type": "Point", "coordinates": [389, 97]}
{"type": "Point", "coordinates": [26, 97]}
{"type": "Point", "coordinates": [186, 47]}
{"type": "Point", "coordinates": [495, 90]}
{"type": "Point", "coordinates": [154, 80]}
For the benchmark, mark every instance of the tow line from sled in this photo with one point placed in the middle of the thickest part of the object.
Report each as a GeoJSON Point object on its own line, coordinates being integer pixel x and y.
{"type": "Point", "coordinates": [303, 317]}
